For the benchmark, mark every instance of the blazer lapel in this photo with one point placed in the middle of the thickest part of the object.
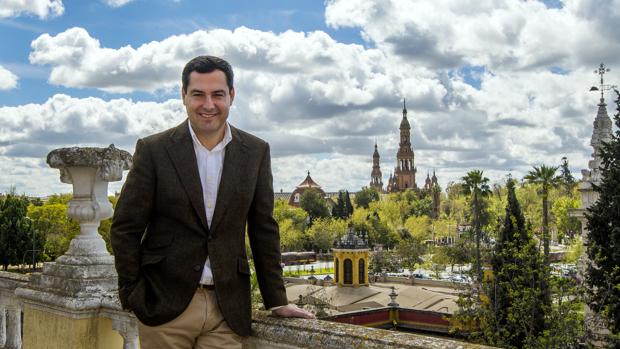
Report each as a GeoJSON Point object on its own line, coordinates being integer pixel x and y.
{"type": "Point", "coordinates": [181, 151]}
{"type": "Point", "coordinates": [232, 171]}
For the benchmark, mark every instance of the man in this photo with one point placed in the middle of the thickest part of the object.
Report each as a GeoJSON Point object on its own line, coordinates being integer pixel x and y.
{"type": "Point", "coordinates": [178, 233]}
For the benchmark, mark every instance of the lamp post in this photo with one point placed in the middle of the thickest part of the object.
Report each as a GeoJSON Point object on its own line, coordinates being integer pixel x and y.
{"type": "Point", "coordinates": [34, 250]}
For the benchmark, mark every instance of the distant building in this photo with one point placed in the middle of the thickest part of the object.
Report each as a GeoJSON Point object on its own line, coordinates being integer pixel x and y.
{"type": "Point", "coordinates": [403, 177]}
{"type": "Point", "coordinates": [376, 178]}
{"type": "Point", "coordinates": [351, 255]}
{"type": "Point", "coordinates": [295, 197]}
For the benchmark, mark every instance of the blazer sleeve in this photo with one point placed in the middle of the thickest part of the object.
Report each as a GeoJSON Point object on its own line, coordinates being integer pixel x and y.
{"type": "Point", "coordinates": [265, 238]}
{"type": "Point", "coordinates": [131, 218]}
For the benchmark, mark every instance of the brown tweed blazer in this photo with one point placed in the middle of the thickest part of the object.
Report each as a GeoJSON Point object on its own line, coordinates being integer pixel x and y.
{"type": "Point", "coordinates": [161, 238]}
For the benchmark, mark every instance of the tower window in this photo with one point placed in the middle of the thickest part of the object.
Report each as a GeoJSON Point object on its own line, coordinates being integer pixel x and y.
{"type": "Point", "coordinates": [362, 272]}
{"type": "Point", "coordinates": [348, 272]}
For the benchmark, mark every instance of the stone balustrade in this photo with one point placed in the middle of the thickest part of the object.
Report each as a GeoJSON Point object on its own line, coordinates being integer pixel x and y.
{"type": "Point", "coordinates": [120, 329]}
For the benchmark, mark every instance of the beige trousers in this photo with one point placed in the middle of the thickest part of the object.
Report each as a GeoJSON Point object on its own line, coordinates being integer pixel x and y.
{"type": "Point", "coordinates": [200, 326]}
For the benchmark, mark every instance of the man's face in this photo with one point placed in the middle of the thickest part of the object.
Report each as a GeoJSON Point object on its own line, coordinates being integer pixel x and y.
{"type": "Point", "coordinates": [207, 101]}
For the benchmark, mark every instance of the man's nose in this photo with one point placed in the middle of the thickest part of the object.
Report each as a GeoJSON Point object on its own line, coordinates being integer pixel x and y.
{"type": "Point", "coordinates": [208, 102]}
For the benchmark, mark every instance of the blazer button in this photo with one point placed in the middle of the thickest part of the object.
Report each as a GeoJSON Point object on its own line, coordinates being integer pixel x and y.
{"type": "Point", "coordinates": [197, 267]}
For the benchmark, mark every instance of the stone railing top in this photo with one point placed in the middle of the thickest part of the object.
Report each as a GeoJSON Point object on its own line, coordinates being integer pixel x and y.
{"type": "Point", "coordinates": [110, 161]}
{"type": "Point", "coordinates": [11, 281]}
{"type": "Point", "coordinates": [332, 335]}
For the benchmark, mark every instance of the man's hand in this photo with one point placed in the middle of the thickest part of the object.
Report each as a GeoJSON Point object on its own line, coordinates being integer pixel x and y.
{"type": "Point", "coordinates": [291, 310]}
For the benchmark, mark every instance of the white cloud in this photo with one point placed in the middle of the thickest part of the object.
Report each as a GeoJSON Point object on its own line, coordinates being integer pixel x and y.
{"type": "Point", "coordinates": [117, 3]}
{"type": "Point", "coordinates": [40, 8]}
{"type": "Point", "coordinates": [8, 80]}
{"type": "Point", "coordinates": [322, 104]}
{"type": "Point", "coordinates": [503, 34]}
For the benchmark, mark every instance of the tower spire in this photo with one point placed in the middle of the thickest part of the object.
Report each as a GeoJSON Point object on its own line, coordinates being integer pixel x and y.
{"type": "Point", "coordinates": [601, 70]}
{"type": "Point", "coordinates": [404, 107]}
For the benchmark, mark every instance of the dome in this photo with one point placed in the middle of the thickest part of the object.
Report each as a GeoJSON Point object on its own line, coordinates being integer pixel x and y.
{"type": "Point", "coordinates": [350, 240]}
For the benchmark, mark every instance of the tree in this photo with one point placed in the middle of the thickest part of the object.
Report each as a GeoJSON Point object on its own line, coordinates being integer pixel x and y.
{"type": "Point", "coordinates": [603, 223]}
{"type": "Point", "coordinates": [348, 206]}
{"type": "Point", "coordinates": [567, 178]}
{"type": "Point", "coordinates": [314, 204]}
{"type": "Point", "coordinates": [517, 276]}
{"type": "Point", "coordinates": [505, 309]}
{"type": "Point", "coordinates": [366, 196]}
{"type": "Point", "coordinates": [324, 231]}
{"type": "Point", "coordinates": [56, 229]}
{"type": "Point", "coordinates": [16, 233]}
{"type": "Point", "coordinates": [477, 187]}
{"type": "Point", "coordinates": [343, 208]}
{"type": "Point", "coordinates": [566, 225]}
{"type": "Point", "coordinates": [409, 251]}
{"type": "Point", "coordinates": [545, 177]}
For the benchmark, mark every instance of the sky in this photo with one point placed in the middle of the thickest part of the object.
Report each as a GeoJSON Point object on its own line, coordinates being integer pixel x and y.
{"type": "Point", "coordinates": [496, 85]}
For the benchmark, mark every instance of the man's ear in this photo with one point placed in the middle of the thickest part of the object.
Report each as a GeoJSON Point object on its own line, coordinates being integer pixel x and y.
{"type": "Point", "coordinates": [232, 95]}
{"type": "Point", "coordinates": [183, 95]}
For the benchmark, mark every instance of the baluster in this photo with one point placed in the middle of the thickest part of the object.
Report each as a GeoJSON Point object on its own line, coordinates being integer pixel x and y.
{"type": "Point", "coordinates": [13, 327]}
{"type": "Point", "coordinates": [2, 325]}
{"type": "Point", "coordinates": [128, 329]}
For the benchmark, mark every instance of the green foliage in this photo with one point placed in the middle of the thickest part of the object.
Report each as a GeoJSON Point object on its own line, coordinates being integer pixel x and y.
{"type": "Point", "coordinates": [366, 196]}
{"type": "Point", "coordinates": [16, 233]}
{"type": "Point", "coordinates": [566, 226]}
{"type": "Point", "coordinates": [410, 250]}
{"type": "Point", "coordinates": [603, 277]}
{"type": "Point", "coordinates": [575, 251]}
{"type": "Point", "coordinates": [314, 204]}
{"type": "Point", "coordinates": [439, 259]}
{"type": "Point", "coordinates": [292, 221]}
{"type": "Point", "coordinates": [324, 231]}
{"type": "Point", "coordinates": [384, 261]}
{"type": "Point", "coordinates": [57, 230]}
{"type": "Point", "coordinates": [419, 227]}
{"type": "Point", "coordinates": [460, 252]}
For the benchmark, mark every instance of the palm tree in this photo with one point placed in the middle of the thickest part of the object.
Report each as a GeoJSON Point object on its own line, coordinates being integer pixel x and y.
{"type": "Point", "coordinates": [477, 187]}
{"type": "Point", "coordinates": [545, 177]}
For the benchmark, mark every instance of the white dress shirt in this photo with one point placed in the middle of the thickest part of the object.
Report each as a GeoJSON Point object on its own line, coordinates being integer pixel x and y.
{"type": "Point", "coordinates": [210, 164]}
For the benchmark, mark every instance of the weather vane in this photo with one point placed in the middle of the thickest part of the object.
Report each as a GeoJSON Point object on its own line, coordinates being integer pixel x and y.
{"type": "Point", "coordinates": [601, 71]}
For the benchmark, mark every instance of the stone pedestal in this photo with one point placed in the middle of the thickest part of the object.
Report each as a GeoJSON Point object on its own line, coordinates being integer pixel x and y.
{"type": "Point", "coordinates": [71, 291]}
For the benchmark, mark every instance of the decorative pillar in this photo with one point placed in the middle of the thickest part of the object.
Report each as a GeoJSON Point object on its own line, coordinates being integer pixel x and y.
{"type": "Point", "coordinates": [13, 327]}
{"type": "Point", "coordinates": [62, 304]}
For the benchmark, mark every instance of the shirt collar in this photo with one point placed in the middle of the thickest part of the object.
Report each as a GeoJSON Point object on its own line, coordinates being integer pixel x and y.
{"type": "Point", "coordinates": [221, 145]}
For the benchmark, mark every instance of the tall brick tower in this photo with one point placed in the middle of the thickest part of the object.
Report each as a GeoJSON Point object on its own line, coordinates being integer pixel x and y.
{"type": "Point", "coordinates": [405, 169]}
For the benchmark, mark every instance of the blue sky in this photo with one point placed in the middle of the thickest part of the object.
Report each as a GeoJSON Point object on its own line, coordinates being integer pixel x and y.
{"type": "Point", "coordinates": [143, 21]}
{"type": "Point", "coordinates": [497, 86]}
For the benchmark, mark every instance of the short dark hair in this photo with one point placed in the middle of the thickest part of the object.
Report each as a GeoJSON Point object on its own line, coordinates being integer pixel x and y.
{"type": "Point", "coordinates": [207, 64]}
